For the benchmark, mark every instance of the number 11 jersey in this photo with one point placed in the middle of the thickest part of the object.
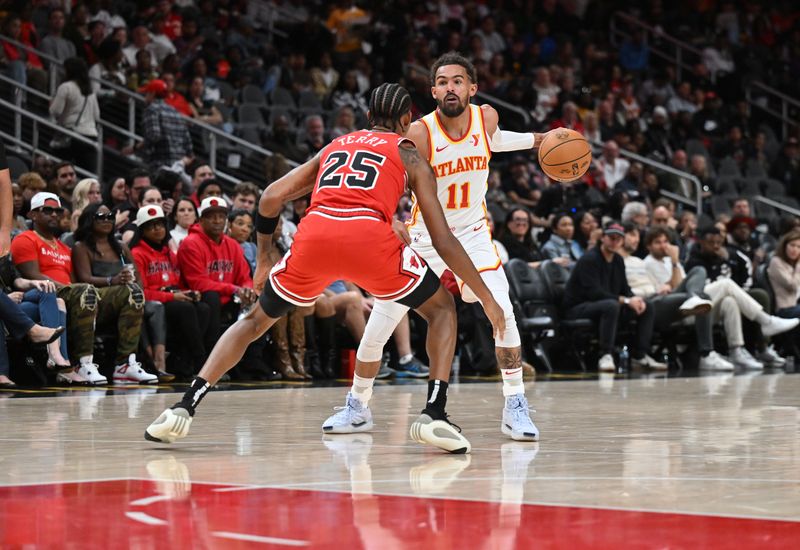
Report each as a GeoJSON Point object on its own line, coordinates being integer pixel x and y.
{"type": "Point", "coordinates": [461, 167]}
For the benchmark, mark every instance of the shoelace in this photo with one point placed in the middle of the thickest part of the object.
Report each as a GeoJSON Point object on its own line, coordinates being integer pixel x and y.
{"type": "Point", "coordinates": [453, 424]}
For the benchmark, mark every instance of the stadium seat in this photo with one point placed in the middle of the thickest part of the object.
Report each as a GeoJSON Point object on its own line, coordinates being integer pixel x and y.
{"type": "Point", "coordinates": [253, 94]}
{"type": "Point", "coordinates": [728, 167]}
{"type": "Point", "coordinates": [16, 166]}
{"type": "Point", "coordinates": [533, 308]}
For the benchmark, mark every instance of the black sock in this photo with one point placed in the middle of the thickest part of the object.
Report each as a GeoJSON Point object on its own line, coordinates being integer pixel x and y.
{"type": "Point", "coordinates": [197, 390]}
{"type": "Point", "coordinates": [437, 400]}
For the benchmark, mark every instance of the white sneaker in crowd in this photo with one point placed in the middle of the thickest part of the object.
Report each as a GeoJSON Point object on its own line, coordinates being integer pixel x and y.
{"type": "Point", "coordinates": [133, 373]}
{"type": "Point", "coordinates": [695, 306]}
{"type": "Point", "coordinates": [648, 362]}
{"type": "Point", "coordinates": [91, 373]}
{"type": "Point", "coordinates": [606, 363]}
{"type": "Point", "coordinates": [777, 325]}
{"type": "Point", "coordinates": [770, 358]}
{"type": "Point", "coordinates": [742, 358]}
{"type": "Point", "coordinates": [714, 361]}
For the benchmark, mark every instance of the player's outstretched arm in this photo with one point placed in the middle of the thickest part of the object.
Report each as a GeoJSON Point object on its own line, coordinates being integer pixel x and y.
{"type": "Point", "coordinates": [297, 183]}
{"type": "Point", "coordinates": [503, 141]}
{"type": "Point", "coordinates": [423, 183]}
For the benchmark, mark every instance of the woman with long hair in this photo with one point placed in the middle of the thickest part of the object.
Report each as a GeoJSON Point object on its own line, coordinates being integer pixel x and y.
{"type": "Point", "coordinates": [184, 215]}
{"type": "Point", "coordinates": [587, 230]}
{"type": "Point", "coordinates": [186, 316]}
{"type": "Point", "coordinates": [99, 259]}
{"type": "Point", "coordinates": [75, 108]}
{"type": "Point", "coordinates": [86, 192]}
{"type": "Point", "coordinates": [516, 237]}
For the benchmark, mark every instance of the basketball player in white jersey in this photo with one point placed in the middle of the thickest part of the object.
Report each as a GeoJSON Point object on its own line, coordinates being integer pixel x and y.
{"type": "Point", "coordinates": [459, 139]}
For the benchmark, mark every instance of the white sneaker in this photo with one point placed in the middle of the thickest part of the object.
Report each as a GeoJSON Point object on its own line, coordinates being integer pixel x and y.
{"type": "Point", "coordinates": [91, 373]}
{"type": "Point", "coordinates": [695, 306]}
{"type": "Point", "coordinates": [649, 363]}
{"type": "Point", "coordinates": [354, 417]}
{"type": "Point", "coordinates": [606, 363]}
{"type": "Point", "coordinates": [133, 373]}
{"type": "Point", "coordinates": [777, 325]}
{"type": "Point", "coordinates": [770, 358]}
{"type": "Point", "coordinates": [742, 358]}
{"type": "Point", "coordinates": [714, 361]}
{"type": "Point", "coordinates": [171, 425]}
{"type": "Point", "coordinates": [439, 433]}
{"type": "Point", "coordinates": [517, 421]}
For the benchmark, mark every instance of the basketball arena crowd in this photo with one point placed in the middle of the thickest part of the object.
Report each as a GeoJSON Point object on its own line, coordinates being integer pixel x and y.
{"type": "Point", "coordinates": [147, 268]}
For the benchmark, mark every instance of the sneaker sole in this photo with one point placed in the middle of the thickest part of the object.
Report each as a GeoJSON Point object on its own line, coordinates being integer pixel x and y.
{"type": "Point", "coordinates": [702, 309]}
{"type": "Point", "coordinates": [171, 435]}
{"type": "Point", "coordinates": [351, 429]}
{"type": "Point", "coordinates": [134, 381]}
{"type": "Point", "coordinates": [385, 376]}
{"type": "Point", "coordinates": [439, 434]}
{"type": "Point", "coordinates": [518, 437]}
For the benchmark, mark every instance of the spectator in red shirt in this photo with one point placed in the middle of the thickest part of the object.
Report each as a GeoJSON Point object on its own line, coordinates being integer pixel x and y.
{"type": "Point", "coordinates": [186, 316]}
{"type": "Point", "coordinates": [214, 265]}
{"type": "Point", "coordinates": [39, 255]}
{"type": "Point", "coordinates": [175, 98]}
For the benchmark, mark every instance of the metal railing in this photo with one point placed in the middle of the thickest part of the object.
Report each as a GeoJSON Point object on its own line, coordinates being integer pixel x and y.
{"type": "Point", "coordinates": [777, 205]}
{"type": "Point", "coordinates": [662, 45]}
{"type": "Point", "coordinates": [33, 147]}
{"type": "Point", "coordinates": [135, 104]}
{"type": "Point", "coordinates": [697, 204]}
{"type": "Point", "coordinates": [765, 98]}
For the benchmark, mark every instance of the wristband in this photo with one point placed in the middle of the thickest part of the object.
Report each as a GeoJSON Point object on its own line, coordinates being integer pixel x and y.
{"type": "Point", "coordinates": [266, 225]}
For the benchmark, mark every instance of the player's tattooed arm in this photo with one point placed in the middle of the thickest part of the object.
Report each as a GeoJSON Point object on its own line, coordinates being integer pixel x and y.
{"type": "Point", "coordinates": [509, 358]}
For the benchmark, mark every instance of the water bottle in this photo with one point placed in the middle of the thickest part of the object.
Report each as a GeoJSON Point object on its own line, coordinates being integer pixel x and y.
{"type": "Point", "coordinates": [624, 357]}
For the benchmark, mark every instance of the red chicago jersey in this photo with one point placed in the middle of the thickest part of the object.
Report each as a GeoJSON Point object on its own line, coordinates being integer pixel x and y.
{"type": "Point", "coordinates": [360, 171]}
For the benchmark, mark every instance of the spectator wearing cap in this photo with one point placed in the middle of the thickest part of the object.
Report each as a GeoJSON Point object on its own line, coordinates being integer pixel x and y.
{"type": "Point", "coordinates": [786, 167]}
{"type": "Point", "coordinates": [598, 289]}
{"type": "Point", "coordinates": [214, 265]}
{"type": "Point", "coordinates": [100, 260]}
{"type": "Point", "coordinates": [187, 318]}
{"type": "Point", "coordinates": [39, 255]}
{"type": "Point", "coordinates": [166, 137]}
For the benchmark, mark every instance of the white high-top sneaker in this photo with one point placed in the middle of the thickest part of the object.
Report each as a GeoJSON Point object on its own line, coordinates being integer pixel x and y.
{"type": "Point", "coordinates": [133, 373]}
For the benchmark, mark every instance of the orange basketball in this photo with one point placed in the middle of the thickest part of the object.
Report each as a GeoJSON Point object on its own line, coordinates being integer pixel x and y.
{"type": "Point", "coordinates": [565, 155]}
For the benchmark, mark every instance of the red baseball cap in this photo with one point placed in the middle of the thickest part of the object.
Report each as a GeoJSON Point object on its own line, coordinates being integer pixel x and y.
{"type": "Point", "coordinates": [155, 86]}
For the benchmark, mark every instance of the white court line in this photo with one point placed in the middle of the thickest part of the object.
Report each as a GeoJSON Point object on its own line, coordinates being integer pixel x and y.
{"type": "Point", "coordinates": [141, 517]}
{"type": "Point", "coordinates": [150, 500]}
{"type": "Point", "coordinates": [256, 538]}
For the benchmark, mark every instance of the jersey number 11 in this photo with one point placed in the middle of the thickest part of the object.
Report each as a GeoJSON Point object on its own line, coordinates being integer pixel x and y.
{"type": "Point", "coordinates": [452, 192]}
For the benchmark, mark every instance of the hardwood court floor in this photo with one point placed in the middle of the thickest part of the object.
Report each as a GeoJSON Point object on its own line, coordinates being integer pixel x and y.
{"type": "Point", "coordinates": [709, 462]}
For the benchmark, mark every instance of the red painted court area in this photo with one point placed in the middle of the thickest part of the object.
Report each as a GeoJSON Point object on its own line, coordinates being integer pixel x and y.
{"type": "Point", "coordinates": [138, 513]}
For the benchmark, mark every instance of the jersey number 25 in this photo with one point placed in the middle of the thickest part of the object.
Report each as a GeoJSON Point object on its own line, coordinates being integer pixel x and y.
{"type": "Point", "coordinates": [361, 169]}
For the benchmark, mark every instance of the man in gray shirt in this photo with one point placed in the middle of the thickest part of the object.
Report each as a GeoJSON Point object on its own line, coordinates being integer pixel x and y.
{"type": "Point", "coordinates": [54, 44]}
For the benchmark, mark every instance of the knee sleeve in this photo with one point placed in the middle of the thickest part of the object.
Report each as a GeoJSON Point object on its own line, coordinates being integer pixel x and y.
{"type": "Point", "coordinates": [382, 321]}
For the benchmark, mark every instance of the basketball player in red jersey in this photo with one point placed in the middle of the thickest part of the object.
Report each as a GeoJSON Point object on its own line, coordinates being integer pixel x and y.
{"type": "Point", "coordinates": [356, 182]}
{"type": "Point", "coordinates": [458, 140]}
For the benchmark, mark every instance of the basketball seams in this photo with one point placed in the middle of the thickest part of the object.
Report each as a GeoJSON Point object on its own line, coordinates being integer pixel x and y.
{"type": "Point", "coordinates": [544, 157]}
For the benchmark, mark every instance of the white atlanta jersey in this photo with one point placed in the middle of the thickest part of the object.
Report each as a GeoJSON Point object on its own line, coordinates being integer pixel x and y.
{"type": "Point", "coordinates": [461, 167]}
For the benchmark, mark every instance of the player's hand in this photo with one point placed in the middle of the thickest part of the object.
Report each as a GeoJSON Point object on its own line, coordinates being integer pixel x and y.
{"type": "Point", "coordinates": [496, 316]}
{"type": "Point", "coordinates": [401, 231]}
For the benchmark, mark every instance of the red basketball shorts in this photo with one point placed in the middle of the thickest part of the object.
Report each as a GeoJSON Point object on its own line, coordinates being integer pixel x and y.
{"type": "Point", "coordinates": [362, 250]}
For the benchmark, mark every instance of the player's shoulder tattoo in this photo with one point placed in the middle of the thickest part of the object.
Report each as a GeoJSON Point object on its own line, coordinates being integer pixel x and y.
{"type": "Point", "coordinates": [409, 154]}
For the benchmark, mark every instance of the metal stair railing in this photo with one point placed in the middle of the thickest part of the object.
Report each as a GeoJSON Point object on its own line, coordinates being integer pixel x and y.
{"type": "Point", "coordinates": [135, 102]}
{"type": "Point", "coordinates": [756, 90]}
{"type": "Point", "coordinates": [33, 147]}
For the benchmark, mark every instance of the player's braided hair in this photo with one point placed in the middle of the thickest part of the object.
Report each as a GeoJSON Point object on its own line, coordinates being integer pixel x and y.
{"type": "Point", "coordinates": [387, 104]}
{"type": "Point", "coordinates": [453, 58]}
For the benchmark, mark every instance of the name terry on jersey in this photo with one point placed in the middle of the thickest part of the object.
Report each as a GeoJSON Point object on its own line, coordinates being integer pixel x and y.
{"type": "Point", "coordinates": [463, 164]}
{"type": "Point", "coordinates": [374, 141]}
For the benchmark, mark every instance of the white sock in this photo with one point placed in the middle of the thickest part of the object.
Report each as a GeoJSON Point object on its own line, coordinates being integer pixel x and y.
{"type": "Point", "coordinates": [362, 388]}
{"type": "Point", "coordinates": [86, 360]}
{"type": "Point", "coordinates": [512, 381]}
{"type": "Point", "coordinates": [406, 359]}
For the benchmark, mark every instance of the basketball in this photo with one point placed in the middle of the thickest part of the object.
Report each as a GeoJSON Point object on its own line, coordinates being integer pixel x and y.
{"type": "Point", "coordinates": [565, 155]}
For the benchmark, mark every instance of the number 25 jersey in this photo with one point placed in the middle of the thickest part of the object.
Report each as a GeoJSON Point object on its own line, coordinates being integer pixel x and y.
{"type": "Point", "coordinates": [461, 167]}
{"type": "Point", "coordinates": [360, 174]}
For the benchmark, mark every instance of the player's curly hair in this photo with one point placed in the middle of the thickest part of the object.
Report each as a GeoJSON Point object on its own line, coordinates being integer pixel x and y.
{"type": "Point", "coordinates": [453, 58]}
{"type": "Point", "coordinates": [387, 104]}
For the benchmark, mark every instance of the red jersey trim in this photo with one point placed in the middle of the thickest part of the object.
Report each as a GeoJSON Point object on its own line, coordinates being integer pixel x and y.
{"type": "Point", "coordinates": [447, 136]}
